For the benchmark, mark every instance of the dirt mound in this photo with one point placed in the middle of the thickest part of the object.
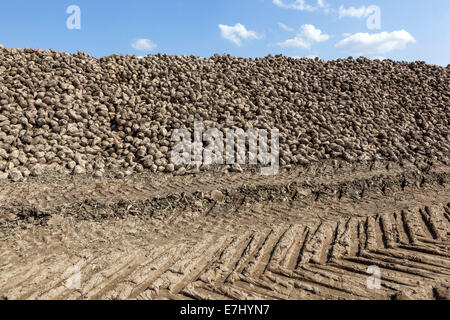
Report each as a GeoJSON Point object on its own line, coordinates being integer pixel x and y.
{"type": "Point", "coordinates": [76, 113]}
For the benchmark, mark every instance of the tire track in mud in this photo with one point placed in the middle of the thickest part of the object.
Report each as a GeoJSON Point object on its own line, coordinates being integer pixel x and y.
{"type": "Point", "coordinates": [45, 195]}
{"type": "Point", "coordinates": [281, 241]}
{"type": "Point", "coordinates": [288, 261]}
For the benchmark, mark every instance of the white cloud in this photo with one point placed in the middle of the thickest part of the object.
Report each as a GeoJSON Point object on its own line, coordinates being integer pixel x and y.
{"type": "Point", "coordinates": [300, 5]}
{"type": "Point", "coordinates": [296, 5]}
{"type": "Point", "coordinates": [314, 34]}
{"type": "Point", "coordinates": [321, 3]}
{"type": "Point", "coordinates": [362, 12]}
{"type": "Point", "coordinates": [143, 45]}
{"type": "Point", "coordinates": [237, 32]}
{"type": "Point", "coordinates": [296, 42]}
{"type": "Point", "coordinates": [324, 6]}
{"type": "Point", "coordinates": [305, 38]}
{"type": "Point", "coordinates": [285, 27]}
{"type": "Point", "coordinates": [378, 43]}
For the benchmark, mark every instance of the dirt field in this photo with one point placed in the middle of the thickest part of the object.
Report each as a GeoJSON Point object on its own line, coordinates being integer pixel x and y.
{"type": "Point", "coordinates": [306, 233]}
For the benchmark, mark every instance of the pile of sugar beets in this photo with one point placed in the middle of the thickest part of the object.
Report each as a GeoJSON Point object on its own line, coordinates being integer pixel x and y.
{"type": "Point", "coordinates": [74, 113]}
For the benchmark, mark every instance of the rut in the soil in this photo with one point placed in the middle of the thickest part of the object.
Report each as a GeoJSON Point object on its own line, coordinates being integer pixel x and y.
{"type": "Point", "coordinates": [325, 260]}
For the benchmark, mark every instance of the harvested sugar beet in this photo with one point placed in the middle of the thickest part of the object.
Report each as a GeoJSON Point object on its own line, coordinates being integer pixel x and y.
{"type": "Point", "coordinates": [79, 114]}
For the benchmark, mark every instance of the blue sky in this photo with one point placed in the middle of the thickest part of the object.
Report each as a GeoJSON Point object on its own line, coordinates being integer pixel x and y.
{"type": "Point", "coordinates": [407, 30]}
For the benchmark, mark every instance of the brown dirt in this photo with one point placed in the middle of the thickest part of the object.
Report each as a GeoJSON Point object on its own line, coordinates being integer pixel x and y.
{"type": "Point", "coordinates": [307, 233]}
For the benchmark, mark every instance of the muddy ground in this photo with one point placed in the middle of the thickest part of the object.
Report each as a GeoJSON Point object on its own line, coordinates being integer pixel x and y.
{"type": "Point", "coordinates": [311, 232]}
